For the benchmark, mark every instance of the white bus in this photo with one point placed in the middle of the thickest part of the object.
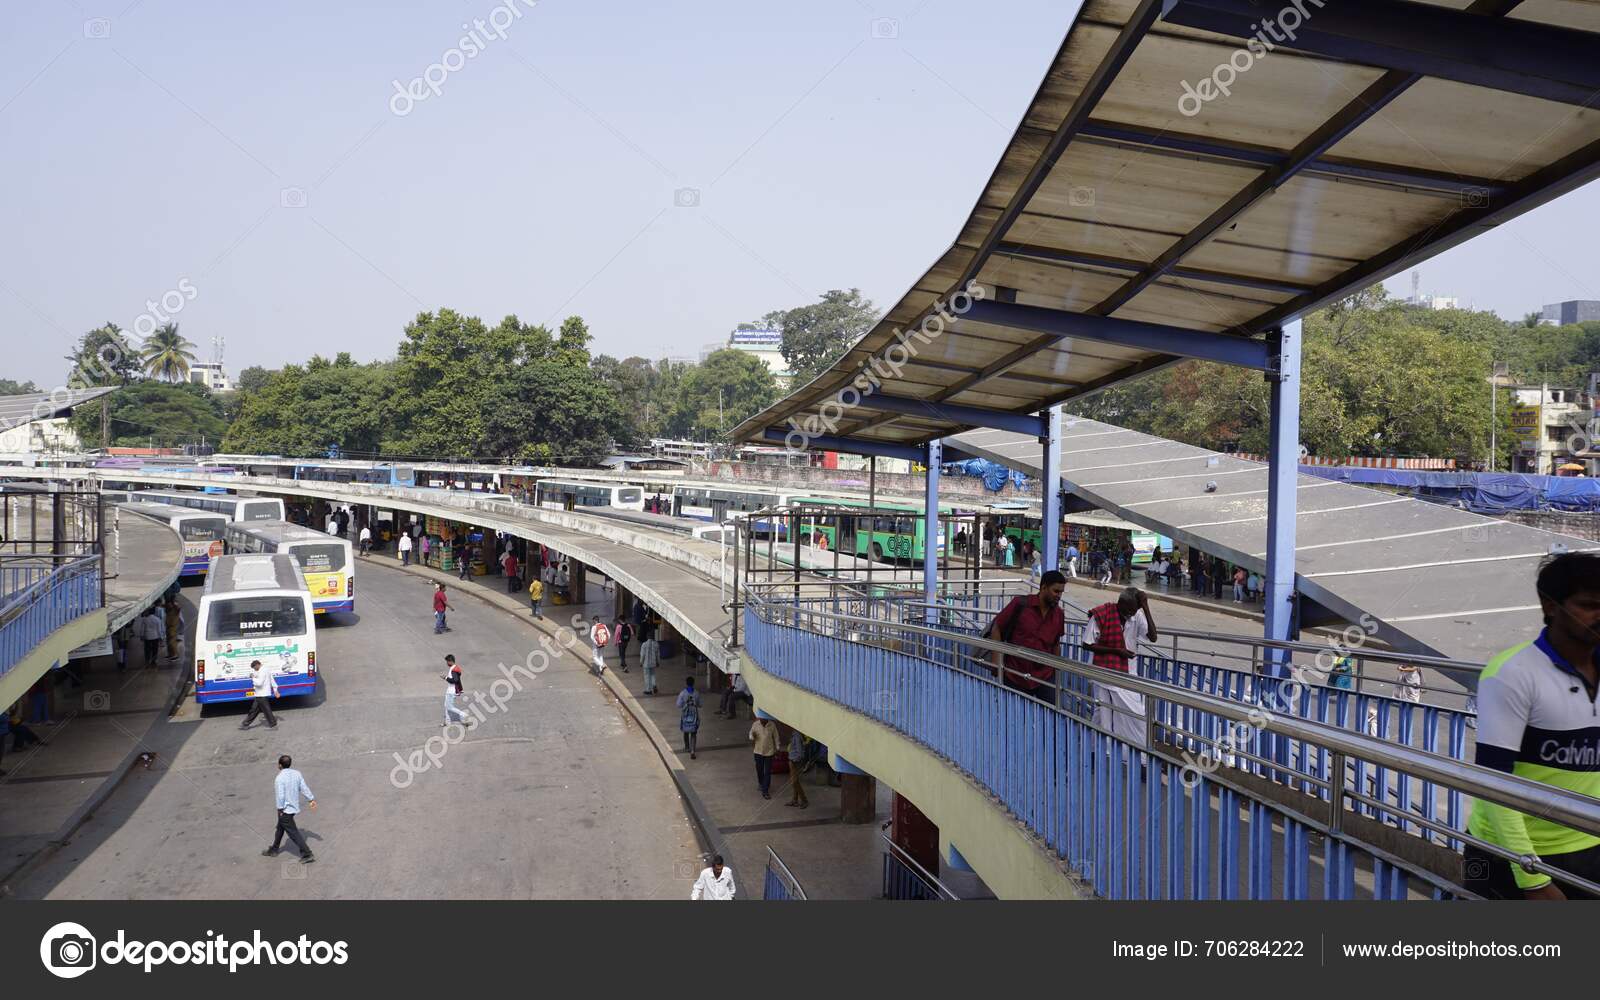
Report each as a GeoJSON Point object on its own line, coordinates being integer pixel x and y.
{"type": "Point", "coordinates": [327, 563]}
{"type": "Point", "coordinates": [567, 494]}
{"type": "Point", "coordinates": [229, 505]}
{"type": "Point", "coordinates": [708, 502]}
{"type": "Point", "coordinates": [254, 607]}
{"type": "Point", "coordinates": [202, 532]}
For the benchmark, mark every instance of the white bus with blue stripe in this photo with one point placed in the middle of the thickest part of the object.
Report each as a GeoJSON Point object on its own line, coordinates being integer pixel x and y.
{"type": "Point", "coordinates": [254, 607]}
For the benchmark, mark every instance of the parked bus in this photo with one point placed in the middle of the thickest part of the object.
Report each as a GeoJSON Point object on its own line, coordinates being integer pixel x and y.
{"type": "Point", "coordinates": [567, 494]}
{"type": "Point", "coordinates": [899, 531]}
{"type": "Point", "coordinates": [202, 532]}
{"type": "Point", "coordinates": [327, 563]}
{"type": "Point", "coordinates": [230, 505]}
{"type": "Point", "coordinates": [707, 502]}
{"type": "Point", "coordinates": [254, 607]}
{"type": "Point", "coordinates": [375, 473]}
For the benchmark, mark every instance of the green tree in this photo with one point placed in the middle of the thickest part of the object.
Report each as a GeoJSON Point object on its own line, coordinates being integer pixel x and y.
{"type": "Point", "coordinates": [252, 378]}
{"type": "Point", "coordinates": [103, 356]}
{"type": "Point", "coordinates": [720, 392]}
{"type": "Point", "coordinates": [816, 335]}
{"type": "Point", "coordinates": [9, 387]}
{"type": "Point", "coordinates": [165, 414]}
{"type": "Point", "coordinates": [553, 411]}
{"type": "Point", "coordinates": [302, 410]}
{"type": "Point", "coordinates": [167, 355]}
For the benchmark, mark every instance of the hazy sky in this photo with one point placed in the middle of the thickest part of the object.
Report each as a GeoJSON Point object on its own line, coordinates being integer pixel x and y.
{"type": "Point", "coordinates": [251, 156]}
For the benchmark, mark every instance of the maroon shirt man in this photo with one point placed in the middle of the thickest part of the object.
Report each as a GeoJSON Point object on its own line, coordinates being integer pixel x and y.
{"type": "Point", "coordinates": [1033, 622]}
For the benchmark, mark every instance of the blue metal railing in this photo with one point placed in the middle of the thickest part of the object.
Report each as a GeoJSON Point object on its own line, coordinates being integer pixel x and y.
{"type": "Point", "coordinates": [1149, 821]}
{"type": "Point", "coordinates": [780, 883]}
{"type": "Point", "coordinates": [904, 878]}
{"type": "Point", "coordinates": [45, 605]}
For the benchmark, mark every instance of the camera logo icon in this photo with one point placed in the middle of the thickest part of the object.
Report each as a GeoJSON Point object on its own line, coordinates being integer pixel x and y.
{"type": "Point", "coordinates": [97, 27]}
{"type": "Point", "coordinates": [292, 197]}
{"type": "Point", "coordinates": [1080, 196]}
{"type": "Point", "coordinates": [97, 701]}
{"type": "Point", "coordinates": [885, 27]}
{"type": "Point", "coordinates": [686, 198]}
{"type": "Point", "coordinates": [1474, 197]}
{"type": "Point", "coordinates": [687, 869]}
{"type": "Point", "coordinates": [68, 950]}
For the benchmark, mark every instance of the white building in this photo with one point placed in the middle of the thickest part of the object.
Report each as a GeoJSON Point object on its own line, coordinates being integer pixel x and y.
{"type": "Point", "coordinates": [1553, 427]}
{"type": "Point", "coordinates": [211, 375]}
{"type": "Point", "coordinates": [763, 342]}
{"type": "Point", "coordinates": [53, 436]}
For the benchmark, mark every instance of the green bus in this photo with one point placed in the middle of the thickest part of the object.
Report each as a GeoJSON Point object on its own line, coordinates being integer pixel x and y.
{"type": "Point", "coordinates": [898, 532]}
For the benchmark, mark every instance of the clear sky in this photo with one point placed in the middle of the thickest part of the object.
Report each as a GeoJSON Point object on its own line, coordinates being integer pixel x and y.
{"type": "Point", "coordinates": [664, 170]}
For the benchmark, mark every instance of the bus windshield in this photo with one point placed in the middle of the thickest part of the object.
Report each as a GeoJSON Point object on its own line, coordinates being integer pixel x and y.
{"type": "Point", "coordinates": [253, 617]}
{"type": "Point", "coordinates": [630, 496]}
{"type": "Point", "coordinates": [207, 529]}
{"type": "Point", "coordinates": [264, 511]}
{"type": "Point", "coordinates": [327, 558]}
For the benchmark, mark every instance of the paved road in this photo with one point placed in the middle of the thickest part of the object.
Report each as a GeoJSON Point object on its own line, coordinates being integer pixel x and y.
{"type": "Point", "coordinates": [558, 796]}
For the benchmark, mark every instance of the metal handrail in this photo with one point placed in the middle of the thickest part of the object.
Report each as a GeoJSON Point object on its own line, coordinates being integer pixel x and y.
{"type": "Point", "coordinates": [1554, 804]}
{"type": "Point", "coordinates": [921, 874]}
{"type": "Point", "coordinates": [783, 872]}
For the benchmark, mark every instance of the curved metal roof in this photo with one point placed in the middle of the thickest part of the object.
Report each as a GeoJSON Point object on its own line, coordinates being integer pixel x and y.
{"type": "Point", "coordinates": [28, 407]}
{"type": "Point", "coordinates": [1182, 183]}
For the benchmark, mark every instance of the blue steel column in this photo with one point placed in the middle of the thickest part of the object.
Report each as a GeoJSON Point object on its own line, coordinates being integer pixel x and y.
{"type": "Point", "coordinates": [930, 534]}
{"type": "Point", "coordinates": [1050, 537]}
{"type": "Point", "coordinates": [1284, 456]}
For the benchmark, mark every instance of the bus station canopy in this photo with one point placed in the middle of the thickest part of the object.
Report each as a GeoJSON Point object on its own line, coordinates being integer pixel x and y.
{"type": "Point", "coordinates": [1193, 174]}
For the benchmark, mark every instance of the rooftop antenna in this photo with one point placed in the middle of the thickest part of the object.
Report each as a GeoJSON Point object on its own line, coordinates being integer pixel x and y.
{"type": "Point", "coordinates": [1416, 287]}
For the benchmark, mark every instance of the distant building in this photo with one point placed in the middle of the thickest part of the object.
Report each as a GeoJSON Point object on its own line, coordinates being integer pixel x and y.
{"type": "Point", "coordinates": [1567, 313]}
{"type": "Point", "coordinates": [680, 450]}
{"type": "Point", "coordinates": [764, 342]}
{"type": "Point", "coordinates": [210, 375]}
{"type": "Point", "coordinates": [1552, 428]}
{"type": "Point", "coordinates": [53, 436]}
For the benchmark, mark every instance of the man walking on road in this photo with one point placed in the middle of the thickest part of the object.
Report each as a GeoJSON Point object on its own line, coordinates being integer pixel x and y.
{"type": "Point", "coordinates": [649, 660]}
{"type": "Point", "coordinates": [599, 637]}
{"type": "Point", "coordinates": [689, 715]}
{"type": "Point", "coordinates": [150, 632]}
{"type": "Point", "coordinates": [366, 539]}
{"type": "Point", "coordinates": [765, 736]}
{"type": "Point", "coordinates": [536, 594]}
{"type": "Point", "coordinates": [263, 686]}
{"type": "Point", "coordinates": [288, 788]}
{"type": "Point", "coordinates": [715, 883]}
{"type": "Point", "coordinates": [797, 760]}
{"type": "Point", "coordinates": [405, 550]}
{"type": "Point", "coordinates": [440, 606]}
{"type": "Point", "coordinates": [1072, 560]}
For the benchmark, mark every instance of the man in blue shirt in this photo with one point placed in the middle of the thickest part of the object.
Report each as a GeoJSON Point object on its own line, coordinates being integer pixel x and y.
{"type": "Point", "coordinates": [289, 787]}
{"type": "Point", "coordinates": [1072, 561]}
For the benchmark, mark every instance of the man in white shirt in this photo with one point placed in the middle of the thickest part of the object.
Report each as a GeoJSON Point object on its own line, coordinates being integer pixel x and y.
{"type": "Point", "coordinates": [405, 550]}
{"type": "Point", "coordinates": [262, 687]}
{"type": "Point", "coordinates": [288, 788]}
{"type": "Point", "coordinates": [366, 539]}
{"type": "Point", "coordinates": [715, 882]}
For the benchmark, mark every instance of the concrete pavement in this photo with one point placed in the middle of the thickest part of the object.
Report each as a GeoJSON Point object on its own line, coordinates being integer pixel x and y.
{"type": "Point", "coordinates": [555, 796]}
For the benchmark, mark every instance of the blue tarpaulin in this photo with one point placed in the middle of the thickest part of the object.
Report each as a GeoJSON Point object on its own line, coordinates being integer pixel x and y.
{"type": "Point", "coordinates": [993, 474]}
{"type": "Point", "coordinates": [1483, 492]}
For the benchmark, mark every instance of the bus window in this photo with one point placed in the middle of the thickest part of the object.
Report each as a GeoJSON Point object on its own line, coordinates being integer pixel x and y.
{"type": "Point", "coordinates": [252, 617]}
{"type": "Point", "coordinates": [319, 558]}
{"type": "Point", "coordinates": [263, 511]}
{"type": "Point", "coordinates": [201, 529]}
{"type": "Point", "coordinates": [630, 496]}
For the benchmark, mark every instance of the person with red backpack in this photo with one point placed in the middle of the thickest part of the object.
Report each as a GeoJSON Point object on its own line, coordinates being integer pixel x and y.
{"type": "Point", "coordinates": [599, 637]}
{"type": "Point", "coordinates": [1033, 621]}
{"type": "Point", "coordinates": [1113, 630]}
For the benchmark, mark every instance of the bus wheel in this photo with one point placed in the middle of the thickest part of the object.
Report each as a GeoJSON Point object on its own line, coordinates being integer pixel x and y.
{"type": "Point", "coordinates": [877, 551]}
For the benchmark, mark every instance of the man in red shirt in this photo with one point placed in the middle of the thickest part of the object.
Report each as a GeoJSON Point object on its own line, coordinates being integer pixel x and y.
{"type": "Point", "coordinates": [440, 606]}
{"type": "Point", "coordinates": [1032, 622]}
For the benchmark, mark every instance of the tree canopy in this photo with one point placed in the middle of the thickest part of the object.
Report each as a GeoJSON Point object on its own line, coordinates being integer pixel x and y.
{"type": "Point", "coordinates": [816, 335]}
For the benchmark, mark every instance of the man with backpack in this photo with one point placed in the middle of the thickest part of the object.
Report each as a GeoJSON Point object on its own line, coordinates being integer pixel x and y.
{"type": "Point", "coordinates": [1032, 621]}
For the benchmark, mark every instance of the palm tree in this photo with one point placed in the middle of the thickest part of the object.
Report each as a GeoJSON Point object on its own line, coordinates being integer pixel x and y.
{"type": "Point", "coordinates": [167, 355]}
